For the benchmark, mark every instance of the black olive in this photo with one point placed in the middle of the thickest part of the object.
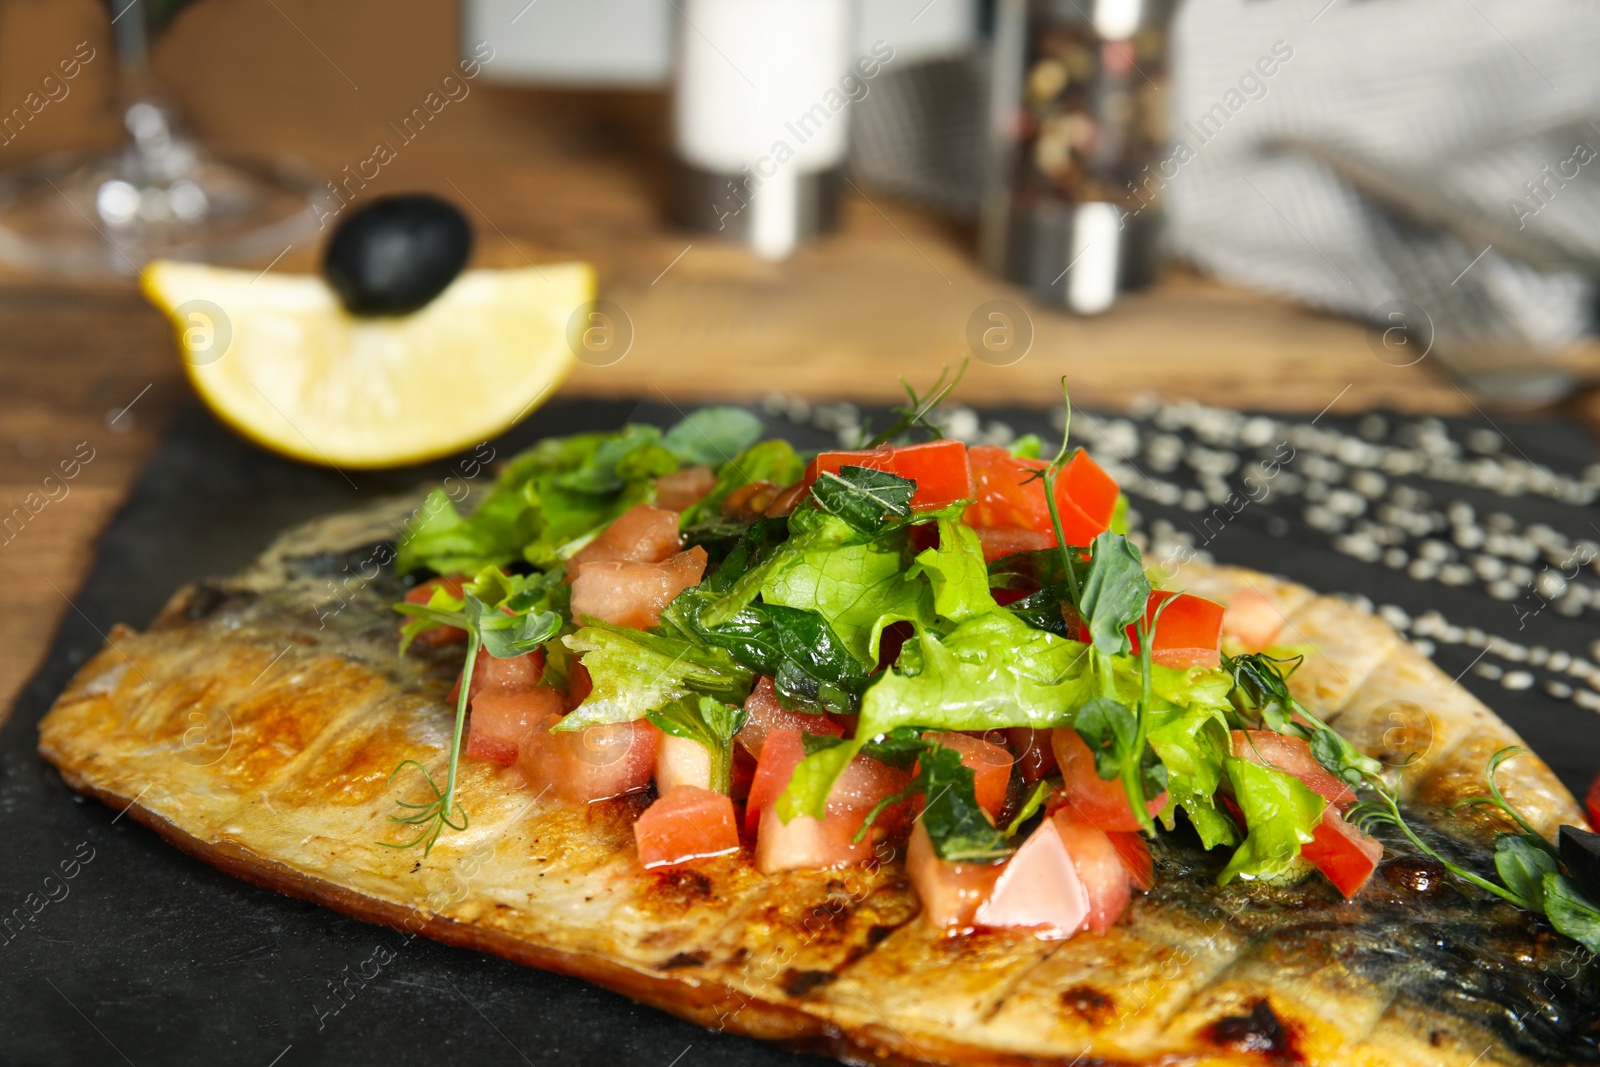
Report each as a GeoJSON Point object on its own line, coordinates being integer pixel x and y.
{"type": "Point", "coordinates": [1580, 852]}
{"type": "Point", "coordinates": [397, 253]}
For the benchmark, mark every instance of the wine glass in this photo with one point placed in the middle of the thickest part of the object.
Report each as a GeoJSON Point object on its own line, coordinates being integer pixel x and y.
{"type": "Point", "coordinates": [158, 194]}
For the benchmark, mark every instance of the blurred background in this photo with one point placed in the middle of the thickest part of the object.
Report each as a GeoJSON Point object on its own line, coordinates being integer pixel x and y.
{"type": "Point", "coordinates": [1298, 206]}
{"type": "Point", "coordinates": [1248, 202]}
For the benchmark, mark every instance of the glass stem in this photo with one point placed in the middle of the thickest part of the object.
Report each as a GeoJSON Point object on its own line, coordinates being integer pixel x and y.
{"type": "Point", "coordinates": [130, 37]}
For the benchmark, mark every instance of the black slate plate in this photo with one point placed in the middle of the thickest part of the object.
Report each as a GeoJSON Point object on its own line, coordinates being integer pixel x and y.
{"type": "Point", "coordinates": [115, 947]}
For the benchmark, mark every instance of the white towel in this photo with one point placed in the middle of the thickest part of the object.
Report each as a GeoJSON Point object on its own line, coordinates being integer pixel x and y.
{"type": "Point", "coordinates": [1481, 116]}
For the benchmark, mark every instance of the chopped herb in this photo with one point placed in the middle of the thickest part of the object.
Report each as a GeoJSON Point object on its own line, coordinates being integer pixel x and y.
{"type": "Point", "coordinates": [708, 722]}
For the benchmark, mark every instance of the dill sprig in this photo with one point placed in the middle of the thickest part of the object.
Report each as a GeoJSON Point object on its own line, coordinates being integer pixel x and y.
{"type": "Point", "coordinates": [916, 415]}
{"type": "Point", "coordinates": [503, 615]}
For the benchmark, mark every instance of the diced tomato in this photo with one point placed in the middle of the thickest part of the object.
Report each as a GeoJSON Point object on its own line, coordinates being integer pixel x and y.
{"type": "Point", "coordinates": [1292, 756]}
{"type": "Point", "coordinates": [642, 534]}
{"type": "Point", "coordinates": [1188, 632]}
{"type": "Point", "coordinates": [1339, 850]}
{"type": "Point", "coordinates": [807, 843]}
{"type": "Point", "coordinates": [685, 823]}
{"type": "Point", "coordinates": [680, 761]}
{"type": "Point", "coordinates": [1594, 804]}
{"type": "Point", "coordinates": [989, 763]}
{"type": "Point", "coordinates": [939, 468]}
{"type": "Point", "coordinates": [743, 772]}
{"type": "Point", "coordinates": [950, 892]}
{"type": "Point", "coordinates": [596, 763]}
{"type": "Point", "coordinates": [1252, 620]}
{"type": "Point", "coordinates": [684, 488]}
{"type": "Point", "coordinates": [511, 675]}
{"type": "Point", "coordinates": [1088, 796]}
{"type": "Point", "coordinates": [633, 594]}
{"type": "Point", "coordinates": [1001, 541]}
{"type": "Point", "coordinates": [766, 715]}
{"type": "Point", "coordinates": [859, 789]}
{"type": "Point", "coordinates": [579, 684]}
{"type": "Point", "coordinates": [1039, 889]}
{"type": "Point", "coordinates": [500, 718]}
{"type": "Point", "coordinates": [1009, 496]}
{"type": "Point", "coordinates": [781, 753]}
{"type": "Point", "coordinates": [1100, 868]}
{"type": "Point", "coordinates": [1035, 758]}
{"type": "Point", "coordinates": [1343, 853]}
{"type": "Point", "coordinates": [441, 635]}
{"type": "Point", "coordinates": [1135, 859]}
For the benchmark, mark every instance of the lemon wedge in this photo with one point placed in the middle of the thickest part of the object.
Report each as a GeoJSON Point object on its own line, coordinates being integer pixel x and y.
{"type": "Point", "coordinates": [278, 358]}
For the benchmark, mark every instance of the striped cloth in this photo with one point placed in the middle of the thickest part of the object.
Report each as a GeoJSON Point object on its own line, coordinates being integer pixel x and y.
{"type": "Point", "coordinates": [1443, 152]}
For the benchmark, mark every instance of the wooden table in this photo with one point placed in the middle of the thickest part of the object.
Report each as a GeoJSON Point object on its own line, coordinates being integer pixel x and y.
{"type": "Point", "coordinates": [551, 176]}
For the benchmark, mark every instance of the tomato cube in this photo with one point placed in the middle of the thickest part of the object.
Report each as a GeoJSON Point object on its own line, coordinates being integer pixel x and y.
{"type": "Point", "coordinates": [766, 715]}
{"type": "Point", "coordinates": [684, 824]}
{"type": "Point", "coordinates": [1135, 859]}
{"type": "Point", "coordinates": [682, 489]}
{"type": "Point", "coordinates": [439, 636]}
{"type": "Point", "coordinates": [642, 534]}
{"type": "Point", "coordinates": [1188, 632]}
{"type": "Point", "coordinates": [950, 892]}
{"type": "Point", "coordinates": [1345, 855]}
{"type": "Point", "coordinates": [626, 593]}
{"type": "Point", "coordinates": [511, 675]}
{"type": "Point", "coordinates": [1001, 541]}
{"type": "Point", "coordinates": [1039, 889]}
{"type": "Point", "coordinates": [500, 718]}
{"type": "Point", "coordinates": [1100, 868]}
{"type": "Point", "coordinates": [1594, 804]}
{"type": "Point", "coordinates": [1292, 756]}
{"type": "Point", "coordinates": [681, 762]}
{"type": "Point", "coordinates": [804, 842]}
{"type": "Point", "coordinates": [595, 763]}
{"type": "Point", "coordinates": [1088, 796]}
{"type": "Point", "coordinates": [939, 468]}
{"type": "Point", "coordinates": [1252, 620]}
{"type": "Point", "coordinates": [1010, 493]}
{"type": "Point", "coordinates": [989, 763]}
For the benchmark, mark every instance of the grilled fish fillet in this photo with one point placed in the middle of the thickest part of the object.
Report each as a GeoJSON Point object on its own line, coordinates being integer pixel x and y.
{"type": "Point", "coordinates": [255, 725]}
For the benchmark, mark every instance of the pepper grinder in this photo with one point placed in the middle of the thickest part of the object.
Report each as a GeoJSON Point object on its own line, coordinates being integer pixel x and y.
{"type": "Point", "coordinates": [760, 120]}
{"type": "Point", "coordinates": [1077, 121]}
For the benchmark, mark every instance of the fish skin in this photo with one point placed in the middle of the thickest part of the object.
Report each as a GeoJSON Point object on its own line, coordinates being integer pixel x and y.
{"type": "Point", "coordinates": [290, 676]}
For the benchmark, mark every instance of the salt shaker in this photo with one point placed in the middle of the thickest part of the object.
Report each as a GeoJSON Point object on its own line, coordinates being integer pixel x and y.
{"type": "Point", "coordinates": [761, 121]}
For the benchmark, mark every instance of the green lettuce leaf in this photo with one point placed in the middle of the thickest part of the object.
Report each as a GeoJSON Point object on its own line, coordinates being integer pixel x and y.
{"type": "Point", "coordinates": [956, 571]}
{"type": "Point", "coordinates": [1280, 815]}
{"type": "Point", "coordinates": [858, 585]}
{"type": "Point", "coordinates": [1192, 742]}
{"type": "Point", "coordinates": [989, 672]}
{"type": "Point", "coordinates": [712, 436]}
{"type": "Point", "coordinates": [635, 673]}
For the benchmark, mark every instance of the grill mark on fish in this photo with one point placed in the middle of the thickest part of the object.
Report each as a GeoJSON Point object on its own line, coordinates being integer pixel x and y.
{"type": "Point", "coordinates": [835, 935]}
{"type": "Point", "coordinates": [1258, 1031]}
